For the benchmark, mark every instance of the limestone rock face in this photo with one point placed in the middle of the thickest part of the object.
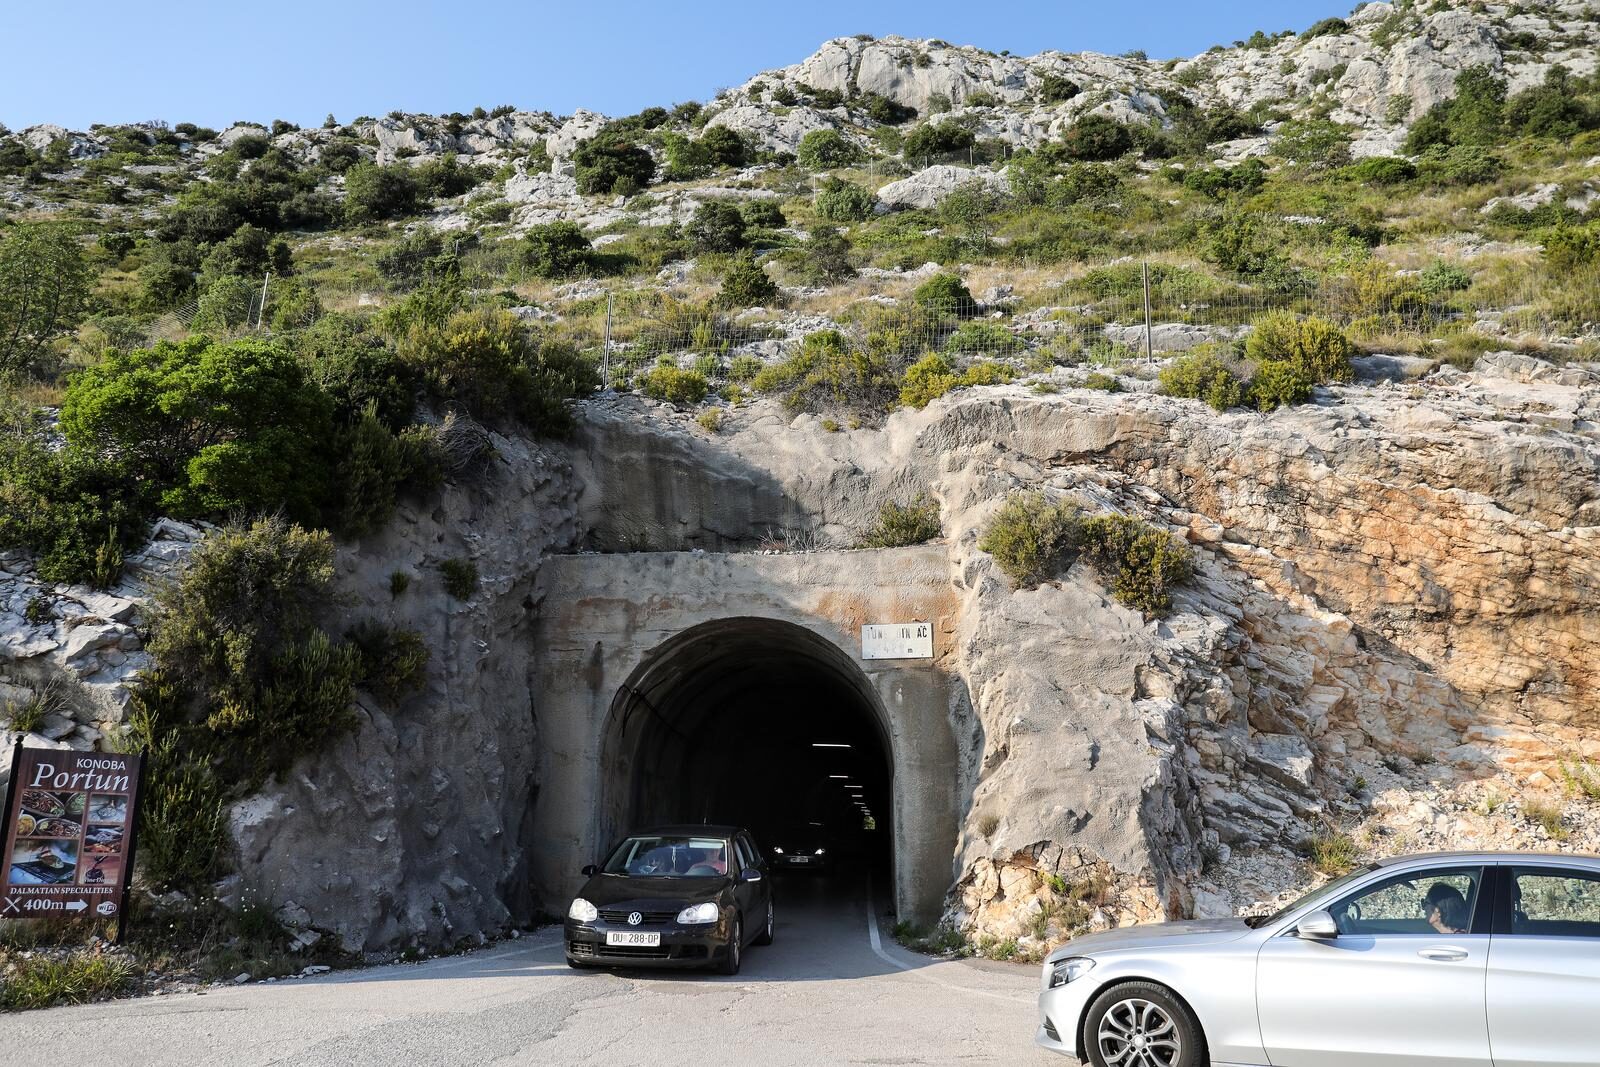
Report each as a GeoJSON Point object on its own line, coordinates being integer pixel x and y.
{"type": "Point", "coordinates": [411, 831]}
{"type": "Point", "coordinates": [772, 131]}
{"type": "Point", "coordinates": [928, 188]}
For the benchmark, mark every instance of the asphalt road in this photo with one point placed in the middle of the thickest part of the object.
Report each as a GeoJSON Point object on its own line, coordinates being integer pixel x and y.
{"type": "Point", "coordinates": [826, 992]}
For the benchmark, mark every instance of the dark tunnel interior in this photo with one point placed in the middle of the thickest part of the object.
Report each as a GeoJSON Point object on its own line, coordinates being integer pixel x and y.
{"type": "Point", "coordinates": [759, 724]}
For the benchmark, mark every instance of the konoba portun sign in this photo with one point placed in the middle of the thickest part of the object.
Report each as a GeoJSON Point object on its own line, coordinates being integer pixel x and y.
{"type": "Point", "coordinates": [68, 833]}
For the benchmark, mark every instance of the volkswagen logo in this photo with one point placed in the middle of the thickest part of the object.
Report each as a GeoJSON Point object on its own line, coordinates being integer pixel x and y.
{"type": "Point", "coordinates": [634, 919]}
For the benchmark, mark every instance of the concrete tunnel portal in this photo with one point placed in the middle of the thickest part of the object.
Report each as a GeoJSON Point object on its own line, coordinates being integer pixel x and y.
{"type": "Point", "coordinates": [731, 688]}
{"type": "Point", "coordinates": [757, 723]}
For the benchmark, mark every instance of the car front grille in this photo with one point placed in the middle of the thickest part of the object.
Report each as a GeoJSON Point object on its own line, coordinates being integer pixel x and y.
{"type": "Point", "coordinates": [587, 950]}
{"type": "Point", "coordinates": [619, 916]}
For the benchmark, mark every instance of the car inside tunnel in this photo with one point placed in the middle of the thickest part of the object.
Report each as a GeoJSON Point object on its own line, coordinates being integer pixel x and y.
{"type": "Point", "coordinates": [760, 724]}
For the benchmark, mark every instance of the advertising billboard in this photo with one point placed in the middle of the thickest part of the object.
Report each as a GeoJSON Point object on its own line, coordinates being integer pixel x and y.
{"type": "Point", "coordinates": [68, 833]}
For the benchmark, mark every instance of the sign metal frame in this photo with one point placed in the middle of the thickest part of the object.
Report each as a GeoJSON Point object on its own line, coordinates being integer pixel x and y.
{"type": "Point", "coordinates": [897, 640]}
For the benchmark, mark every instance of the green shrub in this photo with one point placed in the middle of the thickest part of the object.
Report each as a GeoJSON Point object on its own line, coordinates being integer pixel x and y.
{"type": "Point", "coordinates": [610, 164]}
{"type": "Point", "coordinates": [842, 201]}
{"type": "Point", "coordinates": [1460, 165]}
{"type": "Point", "coordinates": [557, 250]}
{"type": "Point", "coordinates": [227, 305]}
{"type": "Point", "coordinates": [668, 382]}
{"type": "Point", "coordinates": [1055, 89]}
{"type": "Point", "coordinates": [717, 226]}
{"type": "Point", "coordinates": [1203, 376]}
{"type": "Point", "coordinates": [1382, 170]}
{"type": "Point", "coordinates": [1032, 538]}
{"type": "Point", "coordinates": [73, 510]}
{"type": "Point", "coordinates": [357, 370]}
{"type": "Point", "coordinates": [1572, 248]}
{"type": "Point", "coordinates": [1439, 278]}
{"type": "Point", "coordinates": [945, 295]}
{"type": "Point", "coordinates": [1095, 138]}
{"type": "Point", "coordinates": [1314, 346]}
{"type": "Point", "coordinates": [373, 193]}
{"type": "Point", "coordinates": [394, 662]}
{"type": "Point", "coordinates": [1143, 563]}
{"type": "Point", "coordinates": [746, 285]}
{"type": "Point", "coordinates": [880, 108]}
{"type": "Point", "coordinates": [763, 215]}
{"type": "Point", "coordinates": [725, 147]}
{"type": "Point", "coordinates": [1313, 143]}
{"type": "Point", "coordinates": [744, 368]}
{"type": "Point", "coordinates": [990, 338]}
{"type": "Point", "coordinates": [826, 150]}
{"type": "Point", "coordinates": [1278, 383]}
{"type": "Point", "coordinates": [460, 577]}
{"type": "Point", "coordinates": [213, 428]}
{"type": "Point", "coordinates": [899, 525]}
{"type": "Point", "coordinates": [244, 683]}
{"type": "Point", "coordinates": [828, 372]}
{"type": "Point", "coordinates": [926, 380]}
{"type": "Point", "coordinates": [937, 139]}
{"type": "Point", "coordinates": [446, 177]}
{"type": "Point", "coordinates": [488, 362]}
{"type": "Point", "coordinates": [373, 465]}
{"type": "Point", "coordinates": [1326, 27]}
{"type": "Point", "coordinates": [824, 258]}
{"type": "Point", "coordinates": [1106, 383]}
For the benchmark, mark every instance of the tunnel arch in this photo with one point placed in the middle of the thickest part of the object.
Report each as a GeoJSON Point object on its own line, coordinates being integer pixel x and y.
{"type": "Point", "coordinates": [756, 720]}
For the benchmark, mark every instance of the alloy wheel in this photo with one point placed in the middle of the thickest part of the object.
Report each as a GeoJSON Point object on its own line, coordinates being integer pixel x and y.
{"type": "Point", "coordinates": [1139, 1033]}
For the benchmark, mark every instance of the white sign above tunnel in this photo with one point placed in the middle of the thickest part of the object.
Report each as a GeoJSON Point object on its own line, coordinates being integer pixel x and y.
{"type": "Point", "coordinates": [897, 640]}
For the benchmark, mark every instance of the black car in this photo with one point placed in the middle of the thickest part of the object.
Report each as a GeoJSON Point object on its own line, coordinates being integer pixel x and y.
{"type": "Point", "coordinates": [675, 896]}
{"type": "Point", "coordinates": [800, 848]}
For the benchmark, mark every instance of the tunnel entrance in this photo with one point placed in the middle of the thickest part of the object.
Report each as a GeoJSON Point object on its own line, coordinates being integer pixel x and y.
{"type": "Point", "coordinates": [757, 723]}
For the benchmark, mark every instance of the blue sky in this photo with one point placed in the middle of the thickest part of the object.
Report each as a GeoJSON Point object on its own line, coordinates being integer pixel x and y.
{"type": "Point", "coordinates": [218, 61]}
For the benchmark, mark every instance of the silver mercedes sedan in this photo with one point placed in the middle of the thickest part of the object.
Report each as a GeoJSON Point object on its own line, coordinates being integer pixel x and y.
{"type": "Point", "coordinates": [1443, 960]}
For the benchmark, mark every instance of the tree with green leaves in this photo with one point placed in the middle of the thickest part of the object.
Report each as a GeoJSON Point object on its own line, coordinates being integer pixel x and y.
{"type": "Point", "coordinates": [211, 427]}
{"type": "Point", "coordinates": [610, 164]}
{"type": "Point", "coordinates": [44, 286]}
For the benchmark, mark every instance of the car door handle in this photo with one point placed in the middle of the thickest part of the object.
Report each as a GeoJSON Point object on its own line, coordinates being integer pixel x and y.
{"type": "Point", "coordinates": [1444, 954]}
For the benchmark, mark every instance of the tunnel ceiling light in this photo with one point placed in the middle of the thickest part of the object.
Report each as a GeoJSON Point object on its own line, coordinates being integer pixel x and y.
{"type": "Point", "coordinates": [850, 785]}
{"type": "Point", "coordinates": [827, 744]}
{"type": "Point", "coordinates": [841, 777]}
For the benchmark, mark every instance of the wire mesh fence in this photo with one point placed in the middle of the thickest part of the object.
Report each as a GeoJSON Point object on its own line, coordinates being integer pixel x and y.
{"type": "Point", "coordinates": [1102, 314]}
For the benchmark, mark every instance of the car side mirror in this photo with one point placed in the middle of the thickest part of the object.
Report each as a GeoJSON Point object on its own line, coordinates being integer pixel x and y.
{"type": "Point", "coordinates": [590, 870]}
{"type": "Point", "coordinates": [749, 874]}
{"type": "Point", "coordinates": [1318, 926]}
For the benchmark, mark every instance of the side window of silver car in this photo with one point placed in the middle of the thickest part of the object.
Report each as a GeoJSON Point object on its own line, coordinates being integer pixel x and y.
{"type": "Point", "coordinates": [1551, 902]}
{"type": "Point", "coordinates": [1417, 903]}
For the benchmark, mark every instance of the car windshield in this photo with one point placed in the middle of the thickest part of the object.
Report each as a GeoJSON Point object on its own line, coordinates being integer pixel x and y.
{"type": "Point", "coordinates": [669, 856]}
{"type": "Point", "coordinates": [1257, 921]}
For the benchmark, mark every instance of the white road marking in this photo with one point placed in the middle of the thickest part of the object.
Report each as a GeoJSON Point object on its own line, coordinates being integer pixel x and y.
{"type": "Point", "coordinates": [877, 947]}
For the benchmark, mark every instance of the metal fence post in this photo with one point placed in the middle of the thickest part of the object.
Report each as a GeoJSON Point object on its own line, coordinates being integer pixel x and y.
{"type": "Point", "coordinates": [605, 357]}
{"type": "Point", "coordinates": [261, 316]}
{"type": "Point", "coordinates": [1149, 342]}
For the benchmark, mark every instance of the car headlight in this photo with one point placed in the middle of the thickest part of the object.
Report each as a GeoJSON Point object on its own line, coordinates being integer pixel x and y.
{"type": "Point", "coordinates": [820, 851]}
{"type": "Point", "coordinates": [779, 851]}
{"type": "Point", "coordinates": [583, 911]}
{"type": "Point", "coordinates": [1069, 970]}
{"type": "Point", "coordinates": [695, 914]}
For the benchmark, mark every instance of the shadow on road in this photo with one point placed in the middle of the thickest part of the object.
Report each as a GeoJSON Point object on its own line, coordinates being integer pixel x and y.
{"type": "Point", "coordinates": [821, 936]}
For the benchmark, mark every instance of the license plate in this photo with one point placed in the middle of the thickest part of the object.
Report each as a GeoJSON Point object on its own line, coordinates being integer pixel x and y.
{"type": "Point", "coordinates": [799, 859]}
{"type": "Point", "coordinates": [629, 937]}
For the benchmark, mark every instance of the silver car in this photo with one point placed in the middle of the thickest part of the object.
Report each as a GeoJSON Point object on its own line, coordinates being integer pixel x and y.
{"type": "Point", "coordinates": [1444, 960]}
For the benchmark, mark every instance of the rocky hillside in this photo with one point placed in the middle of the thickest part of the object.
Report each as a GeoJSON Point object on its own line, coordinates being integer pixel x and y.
{"type": "Point", "coordinates": [1361, 397]}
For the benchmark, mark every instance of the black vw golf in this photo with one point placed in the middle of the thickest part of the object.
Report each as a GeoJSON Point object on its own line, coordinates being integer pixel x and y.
{"type": "Point", "coordinates": [676, 896]}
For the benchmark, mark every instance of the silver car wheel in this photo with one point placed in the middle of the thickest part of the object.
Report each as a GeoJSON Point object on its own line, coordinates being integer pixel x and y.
{"type": "Point", "coordinates": [1138, 1033]}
